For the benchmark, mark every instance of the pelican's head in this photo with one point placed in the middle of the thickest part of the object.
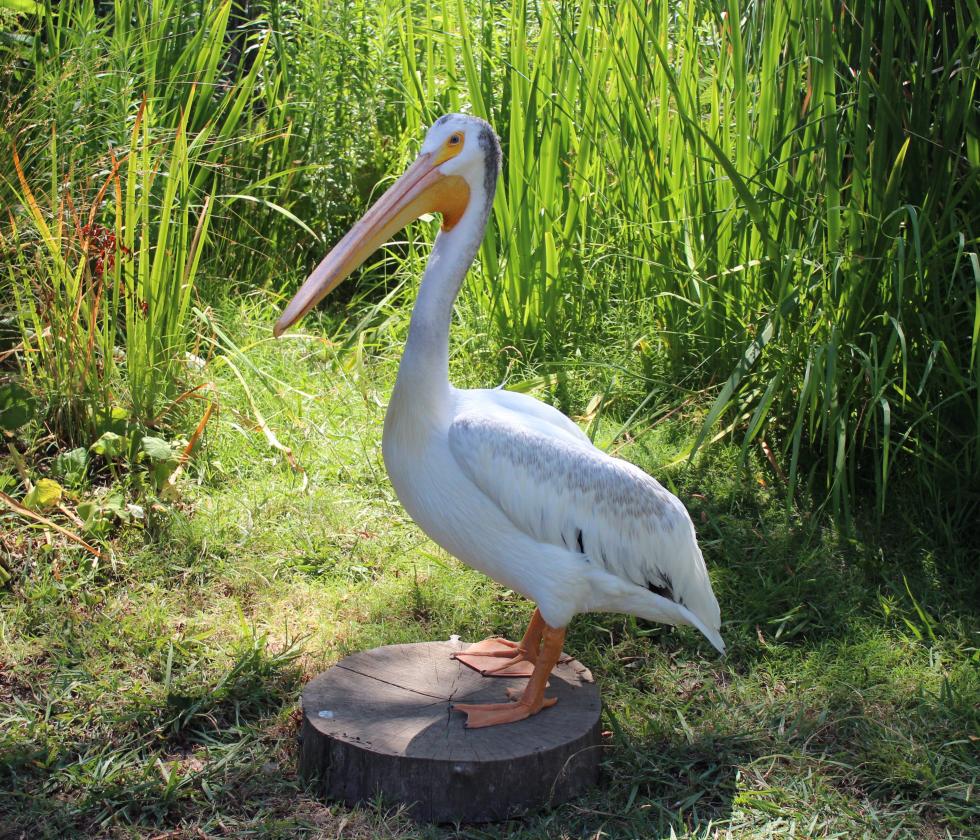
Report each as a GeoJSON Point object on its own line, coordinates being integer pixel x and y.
{"type": "Point", "coordinates": [475, 151]}
{"type": "Point", "coordinates": [455, 171]}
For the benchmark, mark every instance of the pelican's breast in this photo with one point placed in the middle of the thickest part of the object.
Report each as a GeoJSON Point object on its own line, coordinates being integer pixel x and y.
{"type": "Point", "coordinates": [451, 510]}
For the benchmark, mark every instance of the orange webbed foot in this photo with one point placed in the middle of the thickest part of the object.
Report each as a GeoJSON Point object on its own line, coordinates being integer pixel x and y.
{"type": "Point", "coordinates": [479, 715]}
{"type": "Point", "coordinates": [519, 657]}
{"type": "Point", "coordinates": [485, 657]}
{"type": "Point", "coordinates": [531, 700]}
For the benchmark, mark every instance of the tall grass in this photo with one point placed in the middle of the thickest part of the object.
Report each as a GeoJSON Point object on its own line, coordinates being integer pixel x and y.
{"type": "Point", "coordinates": [135, 128]}
{"type": "Point", "coordinates": [778, 201]}
{"type": "Point", "coordinates": [108, 283]}
{"type": "Point", "coordinates": [786, 194]}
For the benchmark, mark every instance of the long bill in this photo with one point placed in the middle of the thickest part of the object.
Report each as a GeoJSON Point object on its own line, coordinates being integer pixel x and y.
{"type": "Point", "coordinates": [421, 189]}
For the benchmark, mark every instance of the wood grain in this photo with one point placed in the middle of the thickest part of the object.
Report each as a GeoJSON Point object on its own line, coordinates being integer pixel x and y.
{"type": "Point", "coordinates": [379, 722]}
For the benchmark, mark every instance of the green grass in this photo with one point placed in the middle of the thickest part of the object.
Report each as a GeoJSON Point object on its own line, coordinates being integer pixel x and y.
{"type": "Point", "coordinates": [156, 692]}
{"type": "Point", "coordinates": [760, 236]}
{"type": "Point", "coordinates": [782, 213]}
{"type": "Point", "coordinates": [784, 202]}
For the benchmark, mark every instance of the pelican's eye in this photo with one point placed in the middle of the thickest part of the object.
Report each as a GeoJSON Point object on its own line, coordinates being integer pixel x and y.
{"type": "Point", "coordinates": [451, 147]}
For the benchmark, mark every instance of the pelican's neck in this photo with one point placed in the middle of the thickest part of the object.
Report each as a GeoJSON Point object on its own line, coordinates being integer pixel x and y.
{"type": "Point", "coordinates": [423, 375]}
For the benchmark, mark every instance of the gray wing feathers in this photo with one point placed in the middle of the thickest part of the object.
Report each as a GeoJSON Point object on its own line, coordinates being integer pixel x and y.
{"type": "Point", "coordinates": [560, 490]}
{"type": "Point", "coordinates": [525, 406]}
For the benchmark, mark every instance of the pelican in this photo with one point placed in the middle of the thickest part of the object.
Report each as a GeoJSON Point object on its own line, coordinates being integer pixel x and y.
{"type": "Point", "coordinates": [505, 483]}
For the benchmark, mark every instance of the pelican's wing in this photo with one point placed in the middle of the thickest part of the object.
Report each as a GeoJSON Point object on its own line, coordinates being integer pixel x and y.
{"type": "Point", "coordinates": [530, 409]}
{"type": "Point", "coordinates": [566, 492]}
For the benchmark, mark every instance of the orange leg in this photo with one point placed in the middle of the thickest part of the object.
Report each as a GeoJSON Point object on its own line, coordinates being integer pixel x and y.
{"type": "Point", "coordinates": [532, 700]}
{"type": "Point", "coordinates": [519, 657]}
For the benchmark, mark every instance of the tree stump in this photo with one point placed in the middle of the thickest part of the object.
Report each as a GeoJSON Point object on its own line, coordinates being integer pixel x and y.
{"type": "Point", "coordinates": [379, 722]}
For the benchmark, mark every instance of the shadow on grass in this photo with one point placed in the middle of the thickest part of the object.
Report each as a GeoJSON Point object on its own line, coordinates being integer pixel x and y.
{"type": "Point", "coordinates": [850, 685]}
{"type": "Point", "coordinates": [792, 574]}
{"type": "Point", "coordinates": [674, 782]}
{"type": "Point", "coordinates": [800, 761]}
{"type": "Point", "coordinates": [185, 746]}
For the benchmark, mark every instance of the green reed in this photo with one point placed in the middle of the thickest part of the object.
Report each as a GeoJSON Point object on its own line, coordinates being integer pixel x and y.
{"type": "Point", "coordinates": [136, 136]}
{"type": "Point", "coordinates": [780, 199]}
{"type": "Point", "coordinates": [786, 194]}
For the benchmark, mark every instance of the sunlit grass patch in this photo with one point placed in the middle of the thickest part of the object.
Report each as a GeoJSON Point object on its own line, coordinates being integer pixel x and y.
{"type": "Point", "coordinates": [754, 222]}
{"type": "Point", "coordinates": [162, 693]}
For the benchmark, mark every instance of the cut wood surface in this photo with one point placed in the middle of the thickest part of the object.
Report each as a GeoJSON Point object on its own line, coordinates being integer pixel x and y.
{"type": "Point", "coordinates": [379, 722]}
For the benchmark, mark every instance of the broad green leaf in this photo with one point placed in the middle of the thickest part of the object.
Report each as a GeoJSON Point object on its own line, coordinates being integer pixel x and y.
{"type": "Point", "coordinates": [46, 493]}
{"type": "Point", "coordinates": [94, 518]}
{"type": "Point", "coordinates": [161, 471]}
{"type": "Point", "coordinates": [157, 449]}
{"type": "Point", "coordinates": [17, 406]}
{"type": "Point", "coordinates": [110, 445]}
{"type": "Point", "coordinates": [116, 421]}
{"type": "Point", "coordinates": [116, 505]}
{"type": "Point", "coordinates": [24, 7]}
{"type": "Point", "coordinates": [71, 465]}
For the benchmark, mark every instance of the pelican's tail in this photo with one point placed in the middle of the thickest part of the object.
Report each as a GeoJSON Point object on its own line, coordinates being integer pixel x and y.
{"type": "Point", "coordinates": [655, 607]}
{"type": "Point", "coordinates": [709, 633]}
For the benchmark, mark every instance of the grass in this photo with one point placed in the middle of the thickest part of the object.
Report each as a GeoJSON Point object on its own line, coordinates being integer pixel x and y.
{"type": "Point", "coordinates": [778, 204]}
{"type": "Point", "coordinates": [155, 693]}
{"type": "Point", "coordinates": [755, 193]}
{"type": "Point", "coordinates": [746, 232]}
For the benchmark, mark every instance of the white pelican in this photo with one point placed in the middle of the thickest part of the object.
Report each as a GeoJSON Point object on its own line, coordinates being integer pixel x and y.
{"type": "Point", "coordinates": [505, 483]}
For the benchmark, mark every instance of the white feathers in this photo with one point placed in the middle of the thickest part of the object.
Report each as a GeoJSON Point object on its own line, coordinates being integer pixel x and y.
{"type": "Point", "coordinates": [511, 486]}
{"type": "Point", "coordinates": [539, 469]}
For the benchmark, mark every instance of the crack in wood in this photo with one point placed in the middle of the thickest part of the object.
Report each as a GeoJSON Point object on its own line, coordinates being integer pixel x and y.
{"type": "Point", "coordinates": [391, 738]}
{"type": "Point", "coordinates": [393, 685]}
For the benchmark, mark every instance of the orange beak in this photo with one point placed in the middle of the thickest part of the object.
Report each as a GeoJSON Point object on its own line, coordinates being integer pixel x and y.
{"type": "Point", "coordinates": [422, 189]}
